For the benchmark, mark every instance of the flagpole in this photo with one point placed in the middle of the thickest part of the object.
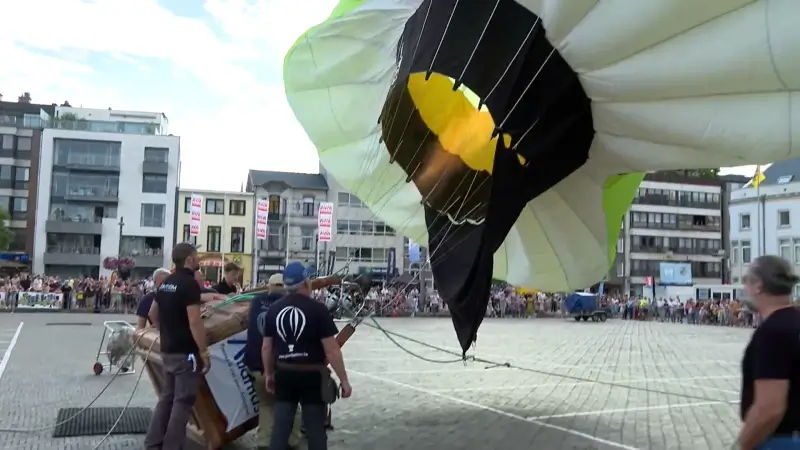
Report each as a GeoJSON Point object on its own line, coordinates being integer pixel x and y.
{"type": "Point", "coordinates": [222, 235]}
{"type": "Point", "coordinates": [759, 240]}
{"type": "Point", "coordinates": [288, 228]}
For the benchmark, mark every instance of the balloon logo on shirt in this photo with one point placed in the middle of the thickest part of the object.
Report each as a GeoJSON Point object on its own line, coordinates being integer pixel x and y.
{"type": "Point", "coordinates": [293, 320]}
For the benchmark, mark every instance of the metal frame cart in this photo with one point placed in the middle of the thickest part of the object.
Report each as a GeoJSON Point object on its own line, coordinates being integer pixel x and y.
{"type": "Point", "coordinates": [110, 328]}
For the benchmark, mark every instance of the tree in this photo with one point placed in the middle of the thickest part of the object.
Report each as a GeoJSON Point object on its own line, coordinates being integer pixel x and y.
{"type": "Point", "coordinates": [6, 235]}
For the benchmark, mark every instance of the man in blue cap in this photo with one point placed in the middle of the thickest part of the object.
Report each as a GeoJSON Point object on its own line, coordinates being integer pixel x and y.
{"type": "Point", "coordinates": [299, 343]}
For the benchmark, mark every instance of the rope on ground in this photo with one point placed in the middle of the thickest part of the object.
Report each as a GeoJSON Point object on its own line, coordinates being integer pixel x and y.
{"type": "Point", "coordinates": [96, 398]}
{"type": "Point", "coordinates": [391, 335]}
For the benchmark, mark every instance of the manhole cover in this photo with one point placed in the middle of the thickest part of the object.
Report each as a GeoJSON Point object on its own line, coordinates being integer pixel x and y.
{"type": "Point", "coordinates": [97, 421]}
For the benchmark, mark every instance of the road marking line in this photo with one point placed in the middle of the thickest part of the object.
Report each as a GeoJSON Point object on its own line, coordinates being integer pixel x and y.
{"type": "Point", "coordinates": [7, 353]}
{"type": "Point", "coordinates": [634, 409]}
{"type": "Point", "coordinates": [497, 411]}
{"type": "Point", "coordinates": [589, 382]}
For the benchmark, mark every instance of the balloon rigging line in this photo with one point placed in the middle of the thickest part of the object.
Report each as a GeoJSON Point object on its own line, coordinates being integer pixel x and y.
{"type": "Point", "coordinates": [393, 336]}
{"type": "Point", "coordinates": [525, 91]}
{"type": "Point", "coordinates": [394, 190]}
{"type": "Point", "coordinates": [97, 397]}
{"type": "Point", "coordinates": [514, 58]}
{"type": "Point", "coordinates": [441, 41]}
{"type": "Point", "coordinates": [474, 49]}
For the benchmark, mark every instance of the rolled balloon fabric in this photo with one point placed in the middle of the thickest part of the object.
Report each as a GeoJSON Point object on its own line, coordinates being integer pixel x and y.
{"type": "Point", "coordinates": [510, 137]}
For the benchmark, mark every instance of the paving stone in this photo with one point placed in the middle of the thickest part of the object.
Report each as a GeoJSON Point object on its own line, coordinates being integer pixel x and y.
{"type": "Point", "coordinates": [588, 386]}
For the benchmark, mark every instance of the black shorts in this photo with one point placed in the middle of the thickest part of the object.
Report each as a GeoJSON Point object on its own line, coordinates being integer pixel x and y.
{"type": "Point", "coordinates": [294, 386]}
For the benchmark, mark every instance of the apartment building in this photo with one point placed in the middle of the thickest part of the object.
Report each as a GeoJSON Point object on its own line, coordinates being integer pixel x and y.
{"type": "Point", "coordinates": [766, 220]}
{"type": "Point", "coordinates": [108, 187]}
{"type": "Point", "coordinates": [359, 240]}
{"type": "Point", "coordinates": [226, 231]}
{"type": "Point", "coordinates": [21, 126]}
{"type": "Point", "coordinates": [674, 221]}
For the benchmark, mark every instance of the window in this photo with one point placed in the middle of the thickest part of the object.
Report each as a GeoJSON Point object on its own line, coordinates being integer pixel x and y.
{"type": "Point", "coordinates": [215, 206]}
{"type": "Point", "coordinates": [744, 221]}
{"type": "Point", "coordinates": [796, 291]}
{"type": "Point", "coordinates": [274, 204]}
{"type": "Point", "coordinates": [158, 155]}
{"type": "Point", "coordinates": [6, 173]}
{"type": "Point", "coordinates": [187, 235]}
{"type": "Point", "coordinates": [796, 251]}
{"type": "Point", "coordinates": [21, 177]}
{"type": "Point", "coordinates": [735, 252]}
{"type": "Point", "coordinates": [154, 184]}
{"type": "Point", "coordinates": [214, 239]}
{"type": "Point", "coordinates": [307, 237]}
{"type": "Point", "coordinates": [362, 254]}
{"type": "Point", "coordinates": [8, 142]}
{"type": "Point", "coordinates": [89, 153]}
{"type": "Point", "coordinates": [347, 199]}
{"type": "Point", "coordinates": [785, 249]}
{"type": "Point", "coordinates": [187, 204]}
{"type": "Point", "coordinates": [153, 215]}
{"type": "Point", "coordinates": [746, 256]}
{"type": "Point", "coordinates": [237, 240]}
{"type": "Point", "coordinates": [783, 219]}
{"type": "Point", "coordinates": [785, 179]}
{"type": "Point", "coordinates": [24, 144]}
{"type": "Point", "coordinates": [19, 208]}
{"type": "Point", "coordinates": [237, 208]}
{"type": "Point", "coordinates": [308, 207]}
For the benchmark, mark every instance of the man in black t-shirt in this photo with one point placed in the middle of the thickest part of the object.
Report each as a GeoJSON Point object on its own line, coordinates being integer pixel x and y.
{"type": "Point", "coordinates": [176, 308]}
{"type": "Point", "coordinates": [770, 401]}
{"type": "Point", "coordinates": [231, 276]}
{"type": "Point", "coordinates": [299, 342]}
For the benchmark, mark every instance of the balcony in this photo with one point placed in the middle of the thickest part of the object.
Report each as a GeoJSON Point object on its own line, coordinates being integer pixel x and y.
{"type": "Point", "coordinates": [68, 255]}
{"type": "Point", "coordinates": [87, 194]}
{"type": "Point", "coordinates": [24, 121]}
{"type": "Point", "coordinates": [675, 250]}
{"type": "Point", "coordinates": [662, 200]}
{"type": "Point", "coordinates": [74, 225]}
{"type": "Point", "coordinates": [155, 167]}
{"type": "Point", "coordinates": [148, 257]}
{"type": "Point", "coordinates": [104, 126]}
{"type": "Point", "coordinates": [675, 226]}
{"type": "Point", "coordinates": [88, 163]}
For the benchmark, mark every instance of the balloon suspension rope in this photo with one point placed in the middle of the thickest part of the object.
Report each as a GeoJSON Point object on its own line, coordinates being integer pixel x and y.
{"type": "Point", "coordinates": [96, 398]}
{"type": "Point", "coordinates": [394, 338]}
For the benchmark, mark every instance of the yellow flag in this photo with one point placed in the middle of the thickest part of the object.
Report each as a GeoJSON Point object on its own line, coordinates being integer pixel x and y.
{"type": "Point", "coordinates": [758, 177]}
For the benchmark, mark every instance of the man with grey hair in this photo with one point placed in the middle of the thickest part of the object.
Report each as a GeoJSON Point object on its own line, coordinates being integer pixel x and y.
{"type": "Point", "coordinates": [770, 398]}
{"type": "Point", "coordinates": [143, 310]}
{"type": "Point", "coordinates": [299, 343]}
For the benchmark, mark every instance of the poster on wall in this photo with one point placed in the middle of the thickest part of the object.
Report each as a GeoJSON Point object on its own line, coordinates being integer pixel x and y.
{"type": "Point", "coordinates": [262, 215]}
{"type": "Point", "coordinates": [195, 214]}
{"type": "Point", "coordinates": [325, 222]}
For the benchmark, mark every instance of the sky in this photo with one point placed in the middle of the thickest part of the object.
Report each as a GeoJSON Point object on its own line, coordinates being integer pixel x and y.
{"type": "Point", "coordinates": [213, 67]}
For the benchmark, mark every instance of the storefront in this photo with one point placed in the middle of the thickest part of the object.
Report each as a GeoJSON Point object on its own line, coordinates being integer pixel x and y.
{"type": "Point", "coordinates": [213, 264]}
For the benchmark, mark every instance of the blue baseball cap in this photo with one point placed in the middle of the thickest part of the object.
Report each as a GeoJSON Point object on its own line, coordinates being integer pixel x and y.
{"type": "Point", "coordinates": [295, 273]}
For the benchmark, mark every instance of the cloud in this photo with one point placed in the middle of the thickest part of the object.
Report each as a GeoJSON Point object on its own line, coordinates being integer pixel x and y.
{"type": "Point", "coordinates": [236, 119]}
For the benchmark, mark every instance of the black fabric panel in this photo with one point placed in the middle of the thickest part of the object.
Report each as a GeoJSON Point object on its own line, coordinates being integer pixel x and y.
{"type": "Point", "coordinates": [548, 118]}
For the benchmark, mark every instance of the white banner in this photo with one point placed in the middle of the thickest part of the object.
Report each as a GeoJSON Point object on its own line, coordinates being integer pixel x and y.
{"type": "Point", "coordinates": [195, 214]}
{"type": "Point", "coordinates": [325, 222]}
{"type": "Point", "coordinates": [33, 299]}
{"type": "Point", "coordinates": [229, 381]}
{"type": "Point", "coordinates": [262, 213]}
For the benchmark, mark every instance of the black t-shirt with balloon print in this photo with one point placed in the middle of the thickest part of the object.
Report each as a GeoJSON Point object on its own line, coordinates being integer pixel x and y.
{"type": "Point", "coordinates": [297, 325]}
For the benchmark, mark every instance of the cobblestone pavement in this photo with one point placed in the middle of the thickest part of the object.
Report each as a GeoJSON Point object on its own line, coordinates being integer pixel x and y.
{"type": "Point", "coordinates": [612, 385]}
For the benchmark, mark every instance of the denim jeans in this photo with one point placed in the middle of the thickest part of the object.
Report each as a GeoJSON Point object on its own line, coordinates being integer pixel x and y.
{"type": "Point", "coordinates": [781, 443]}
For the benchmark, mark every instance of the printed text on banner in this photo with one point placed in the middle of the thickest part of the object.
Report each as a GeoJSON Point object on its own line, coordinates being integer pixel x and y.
{"type": "Point", "coordinates": [262, 213]}
{"type": "Point", "coordinates": [325, 223]}
{"type": "Point", "coordinates": [195, 214]}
